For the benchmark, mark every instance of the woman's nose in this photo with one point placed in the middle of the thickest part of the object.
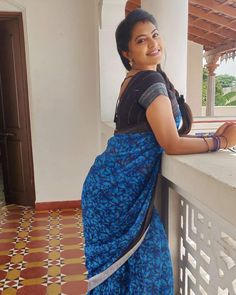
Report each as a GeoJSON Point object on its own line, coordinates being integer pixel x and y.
{"type": "Point", "coordinates": [152, 43]}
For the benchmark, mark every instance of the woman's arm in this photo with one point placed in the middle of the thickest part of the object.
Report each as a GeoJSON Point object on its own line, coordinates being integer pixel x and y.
{"type": "Point", "coordinates": [160, 117]}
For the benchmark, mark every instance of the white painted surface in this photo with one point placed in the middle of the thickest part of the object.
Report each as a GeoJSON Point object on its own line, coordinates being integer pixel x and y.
{"type": "Point", "coordinates": [194, 77]}
{"type": "Point", "coordinates": [107, 131]}
{"type": "Point", "coordinates": [63, 77]}
{"type": "Point", "coordinates": [112, 71]}
{"type": "Point", "coordinates": [211, 93]}
{"type": "Point", "coordinates": [172, 20]}
{"type": "Point", "coordinates": [222, 111]}
{"type": "Point", "coordinates": [208, 178]}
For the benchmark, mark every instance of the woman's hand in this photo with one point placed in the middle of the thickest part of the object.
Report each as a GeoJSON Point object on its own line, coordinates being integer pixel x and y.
{"type": "Point", "coordinates": [230, 134]}
{"type": "Point", "coordinates": [222, 128]}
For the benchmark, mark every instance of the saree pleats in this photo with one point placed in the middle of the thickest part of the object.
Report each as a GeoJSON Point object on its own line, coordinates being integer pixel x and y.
{"type": "Point", "coordinates": [116, 196]}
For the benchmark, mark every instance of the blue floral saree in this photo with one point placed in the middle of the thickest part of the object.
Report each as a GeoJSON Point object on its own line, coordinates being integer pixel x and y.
{"type": "Point", "coordinates": [126, 248]}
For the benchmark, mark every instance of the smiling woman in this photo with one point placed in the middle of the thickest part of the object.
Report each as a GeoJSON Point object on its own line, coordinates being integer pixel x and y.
{"type": "Point", "coordinates": [126, 247]}
{"type": "Point", "coordinates": [145, 49]}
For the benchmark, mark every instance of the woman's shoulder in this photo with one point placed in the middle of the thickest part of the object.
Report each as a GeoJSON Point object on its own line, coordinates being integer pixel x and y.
{"type": "Point", "coordinates": [152, 85]}
{"type": "Point", "coordinates": [150, 77]}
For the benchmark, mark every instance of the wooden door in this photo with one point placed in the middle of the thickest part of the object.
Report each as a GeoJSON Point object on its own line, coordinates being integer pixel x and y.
{"type": "Point", "coordinates": [14, 115]}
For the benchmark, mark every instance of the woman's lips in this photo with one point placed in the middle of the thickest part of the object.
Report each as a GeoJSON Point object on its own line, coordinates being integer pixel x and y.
{"type": "Point", "coordinates": [154, 52]}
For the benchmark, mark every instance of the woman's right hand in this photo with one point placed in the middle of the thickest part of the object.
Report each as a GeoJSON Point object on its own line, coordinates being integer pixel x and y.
{"type": "Point", "coordinates": [222, 128]}
{"type": "Point", "coordinates": [230, 135]}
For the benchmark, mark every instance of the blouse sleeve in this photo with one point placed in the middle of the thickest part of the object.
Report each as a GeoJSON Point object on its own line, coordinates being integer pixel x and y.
{"type": "Point", "coordinates": [154, 85]}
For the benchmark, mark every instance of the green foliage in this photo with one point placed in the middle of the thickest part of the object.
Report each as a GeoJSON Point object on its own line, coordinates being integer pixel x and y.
{"type": "Point", "coordinates": [230, 98]}
{"type": "Point", "coordinates": [204, 86]}
{"type": "Point", "coordinates": [232, 103]}
{"type": "Point", "coordinates": [204, 74]}
{"type": "Point", "coordinates": [204, 93]}
{"type": "Point", "coordinates": [226, 80]}
{"type": "Point", "coordinates": [222, 81]}
{"type": "Point", "coordinates": [219, 94]}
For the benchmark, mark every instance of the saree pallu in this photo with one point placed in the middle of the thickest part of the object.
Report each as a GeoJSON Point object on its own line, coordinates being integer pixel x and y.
{"type": "Point", "coordinates": [122, 256]}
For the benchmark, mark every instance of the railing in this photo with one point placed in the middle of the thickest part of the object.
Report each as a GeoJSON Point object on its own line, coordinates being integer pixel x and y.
{"type": "Point", "coordinates": [198, 206]}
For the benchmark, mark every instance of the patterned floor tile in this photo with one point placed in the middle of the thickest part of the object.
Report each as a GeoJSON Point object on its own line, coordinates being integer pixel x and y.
{"type": "Point", "coordinates": [41, 252]}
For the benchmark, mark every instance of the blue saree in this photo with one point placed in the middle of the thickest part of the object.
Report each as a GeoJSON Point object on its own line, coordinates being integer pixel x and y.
{"type": "Point", "coordinates": [126, 248]}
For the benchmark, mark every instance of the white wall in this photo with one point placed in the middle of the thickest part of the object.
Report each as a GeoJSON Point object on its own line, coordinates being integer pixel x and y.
{"type": "Point", "coordinates": [112, 71]}
{"type": "Point", "coordinates": [62, 59]}
{"type": "Point", "coordinates": [222, 111]}
{"type": "Point", "coordinates": [194, 77]}
{"type": "Point", "coordinates": [172, 20]}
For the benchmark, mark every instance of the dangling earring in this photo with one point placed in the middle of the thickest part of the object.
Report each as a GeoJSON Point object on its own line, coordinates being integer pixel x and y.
{"type": "Point", "coordinates": [131, 63]}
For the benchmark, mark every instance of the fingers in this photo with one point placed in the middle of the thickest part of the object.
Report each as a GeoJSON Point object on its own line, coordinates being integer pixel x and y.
{"type": "Point", "coordinates": [230, 134]}
{"type": "Point", "coordinates": [223, 127]}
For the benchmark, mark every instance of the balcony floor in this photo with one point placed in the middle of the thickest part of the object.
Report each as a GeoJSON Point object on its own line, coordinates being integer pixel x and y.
{"type": "Point", "coordinates": [41, 252]}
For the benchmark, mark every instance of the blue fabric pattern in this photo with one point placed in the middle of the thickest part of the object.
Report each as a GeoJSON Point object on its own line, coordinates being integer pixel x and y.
{"type": "Point", "coordinates": [115, 198]}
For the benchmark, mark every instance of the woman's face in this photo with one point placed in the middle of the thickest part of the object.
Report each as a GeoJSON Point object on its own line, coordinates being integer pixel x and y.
{"type": "Point", "coordinates": [145, 47]}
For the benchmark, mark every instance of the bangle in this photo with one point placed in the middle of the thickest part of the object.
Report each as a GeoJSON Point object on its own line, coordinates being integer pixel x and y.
{"type": "Point", "coordinates": [216, 143]}
{"type": "Point", "coordinates": [204, 138]}
{"type": "Point", "coordinates": [226, 140]}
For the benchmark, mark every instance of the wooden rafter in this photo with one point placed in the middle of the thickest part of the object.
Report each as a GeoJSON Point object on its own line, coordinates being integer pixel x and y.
{"type": "Point", "coordinates": [131, 5]}
{"type": "Point", "coordinates": [215, 6]}
{"type": "Point", "coordinates": [201, 41]}
{"type": "Point", "coordinates": [211, 28]}
{"type": "Point", "coordinates": [230, 46]}
{"type": "Point", "coordinates": [214, 18]}
{"type": "Point", "coordinates": [206, 35]}
{"type": "Point", "coordinates": [228, 2]}
{"type": "Point", "coordinates": [213, 24]}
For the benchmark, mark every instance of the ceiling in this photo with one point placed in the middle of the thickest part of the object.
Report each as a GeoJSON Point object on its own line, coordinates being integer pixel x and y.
{"type": "Point", "coordinates": [211, 23]}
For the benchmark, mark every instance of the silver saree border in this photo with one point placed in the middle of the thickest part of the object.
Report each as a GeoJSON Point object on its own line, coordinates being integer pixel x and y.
{"type": "Point", "coordinates": [101, 277]}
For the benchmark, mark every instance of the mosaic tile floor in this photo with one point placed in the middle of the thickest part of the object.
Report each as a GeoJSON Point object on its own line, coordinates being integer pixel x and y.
{"type": "Point", "coordinates": [41, 252]}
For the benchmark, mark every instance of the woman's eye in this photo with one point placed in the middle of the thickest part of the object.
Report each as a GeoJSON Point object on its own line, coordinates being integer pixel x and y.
{"type": "Point", "coordinates": [155, 35]}
{"type": "Point", "coordinates": [140, 40]}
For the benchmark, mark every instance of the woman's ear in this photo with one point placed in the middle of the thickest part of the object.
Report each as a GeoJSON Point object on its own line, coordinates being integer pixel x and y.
{"type": "Point", "coordinates": [126, 54]}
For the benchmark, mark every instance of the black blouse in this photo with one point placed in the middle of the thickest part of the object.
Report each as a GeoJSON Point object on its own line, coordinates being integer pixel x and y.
{"type": "Point", "coordinates": [143, 88]}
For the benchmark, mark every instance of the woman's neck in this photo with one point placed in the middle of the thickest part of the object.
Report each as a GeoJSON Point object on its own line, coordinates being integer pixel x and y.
{"type": "Point", "coordinates": [137, 68]}
{"type": "Point", "coordinates": [134, 71]}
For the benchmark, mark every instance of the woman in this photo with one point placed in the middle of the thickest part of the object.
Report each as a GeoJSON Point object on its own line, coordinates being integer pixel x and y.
{"type": "Point", "coordinates": [125, 244]}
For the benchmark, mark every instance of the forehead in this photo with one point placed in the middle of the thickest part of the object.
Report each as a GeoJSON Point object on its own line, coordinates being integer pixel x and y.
{"type": "Point", "coordinates": [144, 27]}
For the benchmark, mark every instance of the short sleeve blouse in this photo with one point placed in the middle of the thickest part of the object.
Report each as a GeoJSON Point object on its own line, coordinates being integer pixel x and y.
{"type": "Point", "coordinates": [142, 90]}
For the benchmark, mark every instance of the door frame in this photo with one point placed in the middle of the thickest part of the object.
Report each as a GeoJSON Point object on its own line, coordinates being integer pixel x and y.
{"type": "Point", "coordinates": [18, 16]}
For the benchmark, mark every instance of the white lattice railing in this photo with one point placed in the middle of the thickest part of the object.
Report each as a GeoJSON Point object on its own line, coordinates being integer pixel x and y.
{"type": "Point", "coordinates": [198, 208]}
{"type": "Point", "coordinates": [207, 253]}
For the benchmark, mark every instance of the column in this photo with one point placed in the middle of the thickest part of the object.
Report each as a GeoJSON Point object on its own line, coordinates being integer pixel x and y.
{"type": "Point", "coordinates": [211, 84]}
{"type": "Point", "coordinates": [172, 20]}
{"type": "Point", "coordinates": [194, 78]}
{"type": "Point", "coordinates": [112, 71]}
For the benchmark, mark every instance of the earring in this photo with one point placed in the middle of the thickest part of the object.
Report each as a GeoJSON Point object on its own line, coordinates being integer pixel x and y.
{"type": "Point", "coordinates": [131, 63]}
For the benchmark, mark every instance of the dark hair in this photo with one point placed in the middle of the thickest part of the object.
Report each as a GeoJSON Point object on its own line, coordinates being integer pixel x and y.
{"type": "Point", "coordinates": [123, 36]}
